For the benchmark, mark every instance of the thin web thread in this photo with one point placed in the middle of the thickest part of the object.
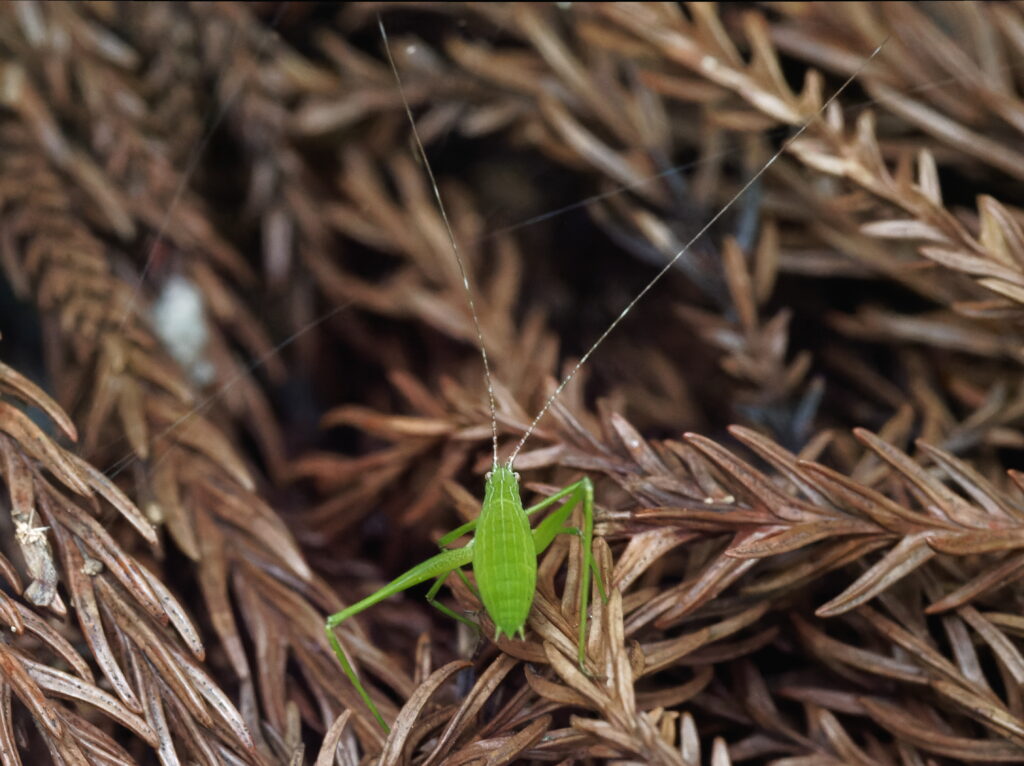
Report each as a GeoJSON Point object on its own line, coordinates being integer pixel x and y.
{"type": "Point", "coordinates": [643, 181]}
{"type": "Point", "coordinates": [266, 41]}
{"type": "Point", "coordinates": [115, 469]}
{"type": "Point", "coordinates": [665, 269]}
{"type": "Point", "coordinates": [451, 241]}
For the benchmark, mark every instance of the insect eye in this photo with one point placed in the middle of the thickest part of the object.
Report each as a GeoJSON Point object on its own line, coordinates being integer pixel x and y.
{"type": "Point", "coordinates": [516, 474]}
{"type": "Point", "coordinates": [487, 476]}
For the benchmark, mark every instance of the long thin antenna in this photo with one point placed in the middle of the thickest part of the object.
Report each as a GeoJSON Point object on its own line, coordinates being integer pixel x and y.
{"type": "Point", "coordinates": [451, 241]}
{"type": "Point", "coordinates": [665, 269]}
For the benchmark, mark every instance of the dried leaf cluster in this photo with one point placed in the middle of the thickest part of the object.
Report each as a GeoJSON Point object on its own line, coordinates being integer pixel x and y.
{"type": "Point", "coordinates": [239, 385]}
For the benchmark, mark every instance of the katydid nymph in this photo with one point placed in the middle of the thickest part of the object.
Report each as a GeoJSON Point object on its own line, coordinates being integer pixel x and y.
{"type": "Point", "coordinates": [504, 549]}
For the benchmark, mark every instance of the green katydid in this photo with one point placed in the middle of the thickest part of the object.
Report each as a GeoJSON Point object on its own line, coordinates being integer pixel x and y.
{"type": "Point", "coordinates": [504, 549]}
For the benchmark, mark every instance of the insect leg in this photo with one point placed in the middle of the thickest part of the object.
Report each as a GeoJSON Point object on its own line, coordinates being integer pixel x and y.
{"type": "Point", "coordinates": [594, 570]}
{"type": "Point", "coordinates": [447, 610]}
{"type": "Point", "coordinates": [435, 567]}
{"type": "Point", "coordinates": [443, 543]}
{"type": "Point", "coordinates": [580, 493]}
{"type": "Point", "coordinates": [456, 533]}
{"type": "Point", "coordinates": [466, 676]}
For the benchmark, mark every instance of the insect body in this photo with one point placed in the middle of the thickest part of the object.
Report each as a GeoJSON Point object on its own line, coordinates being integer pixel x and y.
{"type": "Point", "coordinates": [504, 557]}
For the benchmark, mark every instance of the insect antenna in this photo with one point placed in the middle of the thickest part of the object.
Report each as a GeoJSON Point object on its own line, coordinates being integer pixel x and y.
{"type": "Point", "coordinates": [451, 240]}
{"type": "Point", "coordinates": [672, 261]}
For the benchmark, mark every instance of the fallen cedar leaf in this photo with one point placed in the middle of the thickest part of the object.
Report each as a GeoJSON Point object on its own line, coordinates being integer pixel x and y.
{"type": "Point", "coordinates": [994, 577]}
{"type": "Point", "coordinates": [644, 549]}
{"type": "Point", "coordinates": [706, 518]}
{"type": "Point", "coordinates": [254, 517]}
{"type": "Point", "coordinates": [54, 641]}
{"type": "Point", "coordinates": [36, 443]}
{"type": "Point", "coordinates": [95, 743]}
{"type": "Point", "coordinates": [1010, 622]}
{"type": "Point", "coordinates": [191, 429]}
{"type": "Point", "coordinates": [919, 649]}
{"type": "Point", "coordinates": [871, 503]}
{"type": "Point", "coordinates": [569, 672]}
{"type": "Point", "coordinates": [637, 446]}
{"type": "Point", "coordinates": [798, 536]}
{"type": "Point", "coordinates": [156, 717]}
{"type": "Point", "coordinates": [552, 627]}
{"type": "Point", "coordinates": [510, 747]}
{"type": "Point", "coordinates": [740, 284]}
{"type": "Point", "coordinates": [961, 260]}
{"type": "Point", "coordinates": [759, 704]}
{"type": "Point", "coordinates": [331, 471]}
{"type": "Point", "coordinates": [1001, 646]}
{"type": "Point", "coordinates": [115, 497]}
{"type": "Point", "coordinates": [602, 730]}
{"type": "Point", "coordinates": [833, 557]}
{"type": "Point", "coordinates": [10, 574]}
{"type": "Point", "coordinates": [88, 613]}
{"type": "Point", "coordinates": [952, 505]}
{"type": "Point", "coordinates": [554, 692]}
{"type": "Point", "coordinates": [715, 578]}
{"type": "Point", "coordinates": [32, 394]}
{"type": "Point", "coordinates": [907, 228]}
{"type": "Point", "coordinates": [100, 544]}
{"type": "Point", "coordinates": [1010, 290]}
{"type": "Point", "coordinates": [674, 696]}
{"type": "Point", "coordinates": [216, 697]}
{"type": "Point", "coordinates": [155, 651]}
{"type": "Point", "coordinates": [832, 650]}
{"type": "Point", "coordinates": [972, 482]}
{"type": "Point", "coordinates": [132, 413]}
{"type": "Point", "coordinates": [176, 614]}
{"type": "Point", "coordinates": [661, 654]}
{"type": "Point", "coordinates": [484, 688]}
{"type": "Point", "coordinates": [782, 460]}
{"type": "Point", "coordinates": [175, 515]}
{"type": "Point", "coordinates": [397, 742]}
{"type": "Point", "coordinates": [825, 722]}
{"type": "Point", "coordinates": [8, 746]}
{"type": "Point", "coordinates": [389, 426]}
{"type": "Point", "coordinates": [74, 688]}
{"type": "Point", "coordinates": [329, 744]}
{"type": "Point", "coordinates": [910, 553]}
{"type": "Point", "coordinates": [212, 574]}
{"type": "Point", "coordinates": [756, 490]}
{"type": "Point", "coordinates": [162, 374]}
{"type": "Point", "coordinates": [28, 691]}
{"type": "Point", "coordinates": [9, 616]}
{"type": "Point", "coordinates": [989, 713]}
{"type": "Point", "coordinates": [977, 541]}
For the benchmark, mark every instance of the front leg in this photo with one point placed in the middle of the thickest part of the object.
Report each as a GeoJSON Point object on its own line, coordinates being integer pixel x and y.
{"type": "Point", "coordinates": [436, 567]}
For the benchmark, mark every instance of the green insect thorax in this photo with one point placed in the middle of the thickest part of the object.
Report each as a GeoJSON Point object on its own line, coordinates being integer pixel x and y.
{"type": "Point", "coordinates": [505, 560]}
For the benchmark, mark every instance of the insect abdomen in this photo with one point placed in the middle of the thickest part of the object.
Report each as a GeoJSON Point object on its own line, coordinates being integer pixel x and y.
{"type": "Point", "coordinates": [505, 561]}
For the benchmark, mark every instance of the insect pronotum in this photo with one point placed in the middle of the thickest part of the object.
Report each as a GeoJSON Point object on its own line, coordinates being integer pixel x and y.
{"type": "Point", "coordinates": [504, 549]}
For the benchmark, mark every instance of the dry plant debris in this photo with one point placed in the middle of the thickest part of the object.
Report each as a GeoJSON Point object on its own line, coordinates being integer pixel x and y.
{"type": "Point", "coordinates": [239, 385]}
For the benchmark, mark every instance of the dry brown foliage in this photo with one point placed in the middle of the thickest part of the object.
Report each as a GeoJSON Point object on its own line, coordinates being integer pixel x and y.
{"type": "Point", "coordinates": [804, 440]}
